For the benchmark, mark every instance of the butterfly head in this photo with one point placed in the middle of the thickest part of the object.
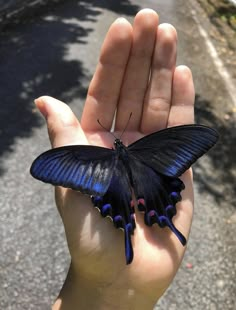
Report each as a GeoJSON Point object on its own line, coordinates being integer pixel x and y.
{"type": "Point", "coordinates": [118, 144]}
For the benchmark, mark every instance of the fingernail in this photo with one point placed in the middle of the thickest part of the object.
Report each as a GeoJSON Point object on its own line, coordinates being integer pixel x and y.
{"type": "Point", "coordinates": [40, 104]}
{"type": "Point", "coordinates": [121, 20]}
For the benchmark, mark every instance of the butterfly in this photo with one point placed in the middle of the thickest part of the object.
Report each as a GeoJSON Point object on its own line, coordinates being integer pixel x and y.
{"type": "Point", "coordinates": [149, 168]}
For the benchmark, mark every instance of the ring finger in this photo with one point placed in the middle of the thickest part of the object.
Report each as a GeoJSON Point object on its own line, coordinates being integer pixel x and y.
{"type": "Point", "coordinates": [158, 99]}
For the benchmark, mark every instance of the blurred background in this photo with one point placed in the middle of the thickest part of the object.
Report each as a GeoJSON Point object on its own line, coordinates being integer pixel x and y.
{"type": "Point", "coordinates": [51, 48]}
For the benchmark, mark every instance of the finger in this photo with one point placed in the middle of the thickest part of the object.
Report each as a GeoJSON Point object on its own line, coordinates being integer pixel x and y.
{"type": "Point", "coordinates": [63, 126]}
{"type": "Point", "coordinates": [182, 112]}
{"type": "Point", "coordinates": [158, 99]}
{"type": "Point", "coordinates": [138, 69]}
{"type": "Point", "coordinates": [182, 107]}
{"type": "Point", "coordinates": [104, 89]}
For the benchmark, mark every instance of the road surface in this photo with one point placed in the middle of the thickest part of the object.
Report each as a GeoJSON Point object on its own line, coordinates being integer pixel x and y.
{"type": "Point", "coordinates": [56, 54]}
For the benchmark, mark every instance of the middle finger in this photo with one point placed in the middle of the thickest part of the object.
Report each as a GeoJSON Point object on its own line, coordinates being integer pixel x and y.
{"type": "Point", "coordinates": [137, 71]}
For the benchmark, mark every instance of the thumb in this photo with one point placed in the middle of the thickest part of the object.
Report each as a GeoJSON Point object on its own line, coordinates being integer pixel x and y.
{"type": "Point", "coordinates": [63, 126]}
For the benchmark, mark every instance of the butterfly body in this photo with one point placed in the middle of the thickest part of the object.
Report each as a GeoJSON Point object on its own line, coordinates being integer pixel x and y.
{"type": "Point", "coordinates": [148, 168]}
{"type": "Point", "coordinates": [123, 156]}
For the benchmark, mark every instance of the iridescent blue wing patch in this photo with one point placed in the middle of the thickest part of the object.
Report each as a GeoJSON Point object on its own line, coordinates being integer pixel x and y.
{"type": "Point", "coordinates": [173, 150]}
{"type": "Point", "coordinates": [84, 168]}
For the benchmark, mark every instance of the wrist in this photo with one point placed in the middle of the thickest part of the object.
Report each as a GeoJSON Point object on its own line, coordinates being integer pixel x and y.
{"type": "Point", "coordinates": [81, 293]}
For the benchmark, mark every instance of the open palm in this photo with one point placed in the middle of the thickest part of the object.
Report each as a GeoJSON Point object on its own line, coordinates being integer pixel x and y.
{"type": "Point", "coordinates": [136, 73]}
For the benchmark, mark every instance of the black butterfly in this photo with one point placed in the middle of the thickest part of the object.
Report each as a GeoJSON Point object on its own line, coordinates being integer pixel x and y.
{"type": "Point", "coordinates": [150, 166]}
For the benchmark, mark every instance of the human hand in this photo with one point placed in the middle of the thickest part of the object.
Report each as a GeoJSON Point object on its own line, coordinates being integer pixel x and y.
{"type": "Point", "coordinates": [136, 73]}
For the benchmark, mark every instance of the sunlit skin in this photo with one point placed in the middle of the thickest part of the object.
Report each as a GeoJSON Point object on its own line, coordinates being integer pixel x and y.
{"type": "Point", "coordinates": [98, 277]}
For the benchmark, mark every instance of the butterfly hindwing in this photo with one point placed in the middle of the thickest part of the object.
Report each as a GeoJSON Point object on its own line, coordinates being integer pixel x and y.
{"type": "Point", "coordinates": [87, 169]}
{"type": "Point", "coordinates": [117, 203]}
{"type": "Point", "coordinates": [157, 196]}
{"type": "Point", "coordinates": [173, 150]}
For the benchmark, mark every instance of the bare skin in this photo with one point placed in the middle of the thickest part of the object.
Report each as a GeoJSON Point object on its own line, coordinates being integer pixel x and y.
{"type": "Point", "coordinates": [136, 73]}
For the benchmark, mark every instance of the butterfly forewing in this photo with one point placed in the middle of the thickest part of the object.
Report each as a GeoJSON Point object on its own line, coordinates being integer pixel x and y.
{"type": "Point", "coordinates": [173, 150]}
{"type": "Point", "coordinates": [88, 169]}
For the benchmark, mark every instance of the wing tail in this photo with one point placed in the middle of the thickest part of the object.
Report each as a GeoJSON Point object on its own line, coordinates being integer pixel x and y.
{"type": "Point", "coordinates": [158, 198]}
{"type": "Point", "coordinates": [128, 244]}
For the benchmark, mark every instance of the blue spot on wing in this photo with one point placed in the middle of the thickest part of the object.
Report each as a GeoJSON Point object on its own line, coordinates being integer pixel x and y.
{"type": "Point", "coordinates": [159, 196]}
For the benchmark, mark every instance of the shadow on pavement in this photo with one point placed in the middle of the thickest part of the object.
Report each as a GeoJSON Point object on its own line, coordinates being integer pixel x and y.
{"type": "Point", "coordinates": [219, 177]}
{"type": "Point", "coordinates": [33, 63]}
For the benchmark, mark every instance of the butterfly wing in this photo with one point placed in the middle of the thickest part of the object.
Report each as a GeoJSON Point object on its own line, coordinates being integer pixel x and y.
{"type": "Point", "coordinates": [156, 198]}
{"type": "Point", "coordinates": [160, 157]}
{"type": "Point", "coordinates": [173, 150]}
{"type": "Point", "coordinates": [117, 203]}
{"type": "Point", "coordinates": [88, 169]}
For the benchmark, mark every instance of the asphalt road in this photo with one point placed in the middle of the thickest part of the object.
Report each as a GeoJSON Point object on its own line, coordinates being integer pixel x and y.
{"type": "Point", "coordinates": [56, 54]}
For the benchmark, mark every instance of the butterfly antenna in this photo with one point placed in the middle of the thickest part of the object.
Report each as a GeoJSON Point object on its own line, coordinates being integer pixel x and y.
{"type": "Point", "coordinates": [106, 128]}
{"type": "Point", "coordinates": [126, 125]}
